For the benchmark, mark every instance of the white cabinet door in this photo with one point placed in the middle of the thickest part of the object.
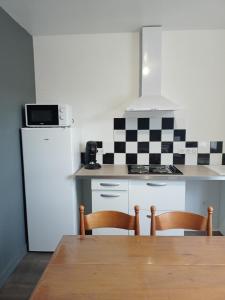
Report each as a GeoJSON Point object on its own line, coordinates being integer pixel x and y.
{"type": "Point", "coordinates": [145, 223]}
{"type": "Point", "coordinates": [109, 184]}
{"type": "Point", "coordinates": [109, 200]}
{"type": "Point", "coordinates": [165, 195]}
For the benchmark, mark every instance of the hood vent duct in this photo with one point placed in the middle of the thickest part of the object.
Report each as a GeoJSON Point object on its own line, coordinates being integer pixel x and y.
{"type": "Point", "coordinates": [151, 60]}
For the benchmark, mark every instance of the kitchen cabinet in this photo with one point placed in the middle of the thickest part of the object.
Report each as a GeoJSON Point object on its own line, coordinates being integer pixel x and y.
{"type": "Point", "coordinates": [123, 195]}
{"type": "Point", "coordinates": [165, 195]}
{"type": "Point", "coordinates": [201, 188]}
{"type": "Point", "coordinates": [109, 195]}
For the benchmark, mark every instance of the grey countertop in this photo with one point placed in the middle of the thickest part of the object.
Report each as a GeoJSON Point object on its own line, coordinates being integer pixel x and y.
{"type": "Point", "coordinates": [120, 171]}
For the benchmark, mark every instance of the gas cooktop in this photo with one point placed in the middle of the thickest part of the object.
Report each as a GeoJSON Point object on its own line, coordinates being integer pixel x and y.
{"type": "Point", "coordinates": [153, 169]}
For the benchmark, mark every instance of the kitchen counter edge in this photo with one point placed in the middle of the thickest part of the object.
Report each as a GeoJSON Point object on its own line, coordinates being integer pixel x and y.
{"type": "Point", "coordinates": [120, 172]}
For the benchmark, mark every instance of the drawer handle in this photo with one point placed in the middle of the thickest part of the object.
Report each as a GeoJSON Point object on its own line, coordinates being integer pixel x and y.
{"type": "Point", "coordinates": [156, 184]}
{"type": "Point", "coordinates": [109, 195]}
{"type": "Point", "coordinates": [109, 184]}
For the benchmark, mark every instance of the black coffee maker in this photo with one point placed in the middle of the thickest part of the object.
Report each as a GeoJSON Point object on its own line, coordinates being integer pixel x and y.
{"type": "Point", "coordinates": [90, 156]}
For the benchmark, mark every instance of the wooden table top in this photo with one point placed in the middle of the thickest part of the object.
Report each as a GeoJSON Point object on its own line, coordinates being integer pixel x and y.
{"type": "Point", "coordinates": [135, 267]}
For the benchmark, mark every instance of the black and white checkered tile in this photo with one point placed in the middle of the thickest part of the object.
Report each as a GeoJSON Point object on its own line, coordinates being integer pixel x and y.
{"type": "Point", "coordinates": [156, 141]}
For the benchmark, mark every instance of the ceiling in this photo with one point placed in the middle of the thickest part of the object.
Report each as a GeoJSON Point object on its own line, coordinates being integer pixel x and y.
{"type": "Point", "coordinates": [47, 17]}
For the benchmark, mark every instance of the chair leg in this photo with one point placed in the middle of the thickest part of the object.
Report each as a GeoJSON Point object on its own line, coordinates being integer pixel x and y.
{"type": "Point", "coordinates": [209, 224]}
{"type": "Point", "coordinates": [82, 227]}
{"type": "Point", "coordinates": [152, 229]}
{"type": "Point", "coordinates": [137, 223]}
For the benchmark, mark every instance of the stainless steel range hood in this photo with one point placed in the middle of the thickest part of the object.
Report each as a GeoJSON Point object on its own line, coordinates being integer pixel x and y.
{"type": "Point", "coordinates": [151, 58]}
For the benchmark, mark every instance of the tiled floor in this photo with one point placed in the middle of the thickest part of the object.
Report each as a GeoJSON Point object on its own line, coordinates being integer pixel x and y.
{"type": "Point", "coordinates": [22, 282]}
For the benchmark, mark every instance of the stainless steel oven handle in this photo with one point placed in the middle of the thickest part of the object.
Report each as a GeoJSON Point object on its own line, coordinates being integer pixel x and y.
{"type": "Point", "coordinates": [109, 195]}
{"type": "Point", "coordinates": [109, 184]}
{"type": "Point", "coordinates": [156, 183]}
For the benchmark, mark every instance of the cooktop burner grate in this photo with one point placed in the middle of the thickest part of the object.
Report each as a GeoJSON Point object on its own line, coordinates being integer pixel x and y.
{"type": "Point", "coordinates": [153, 169]}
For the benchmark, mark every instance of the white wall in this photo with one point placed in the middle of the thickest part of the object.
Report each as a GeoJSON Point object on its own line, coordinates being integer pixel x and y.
{"type": "Point", "coordinates": [193, 75]}
{"type": "Point", "coordinates": [99, 75]}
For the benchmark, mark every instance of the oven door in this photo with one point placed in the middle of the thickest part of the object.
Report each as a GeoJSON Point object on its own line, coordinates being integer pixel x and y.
{"type": "Point", "coordinates": [42, 115]}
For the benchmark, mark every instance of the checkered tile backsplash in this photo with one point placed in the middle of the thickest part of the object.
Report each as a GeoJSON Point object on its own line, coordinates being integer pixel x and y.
{"type": "Point", "coordinates": [156, 141]}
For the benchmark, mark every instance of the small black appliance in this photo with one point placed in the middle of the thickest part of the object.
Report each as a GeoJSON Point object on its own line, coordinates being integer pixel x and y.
{"type": "Point", "coordinates": [90, 156]}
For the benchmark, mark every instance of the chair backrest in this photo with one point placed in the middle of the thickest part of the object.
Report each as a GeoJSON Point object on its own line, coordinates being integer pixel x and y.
{"type": "Point", "coordinates": [109, 219]}
{"type": "Point", "coordinates": [181, 220]}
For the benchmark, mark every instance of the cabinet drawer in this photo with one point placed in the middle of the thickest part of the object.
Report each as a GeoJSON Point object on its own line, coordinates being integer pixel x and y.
{"type": "Point", "coordinates": [110, 200]}
{"type": "Point", "coordinates": [109, 184]}
{"type": "Point", "coordinates": [163, 194]}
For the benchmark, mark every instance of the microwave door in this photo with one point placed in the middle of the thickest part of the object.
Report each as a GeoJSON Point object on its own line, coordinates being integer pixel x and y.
{"type": "Point", "coordinates": [42, 115]}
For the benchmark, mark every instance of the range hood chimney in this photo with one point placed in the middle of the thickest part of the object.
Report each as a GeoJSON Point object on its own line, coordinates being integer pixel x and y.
{"type": "Point", "coordinates": [150, 90]}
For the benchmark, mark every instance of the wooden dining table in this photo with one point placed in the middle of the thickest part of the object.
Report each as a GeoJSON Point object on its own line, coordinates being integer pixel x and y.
{"type": "Point", "coordinates": [135, 267]}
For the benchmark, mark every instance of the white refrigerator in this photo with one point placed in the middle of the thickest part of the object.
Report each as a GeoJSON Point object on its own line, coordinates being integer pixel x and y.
{"type": "Point", "coordinates": [51, 156]}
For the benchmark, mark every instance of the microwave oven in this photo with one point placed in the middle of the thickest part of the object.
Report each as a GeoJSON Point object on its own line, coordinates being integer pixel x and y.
{"type": "Point", "coordinates": [48, 115]}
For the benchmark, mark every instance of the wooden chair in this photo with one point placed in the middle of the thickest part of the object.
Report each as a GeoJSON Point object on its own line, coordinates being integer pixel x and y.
{"type": "Point", "coordinates": [110, 219]}
{"type": "Point", "coordinates": [181, 220]}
